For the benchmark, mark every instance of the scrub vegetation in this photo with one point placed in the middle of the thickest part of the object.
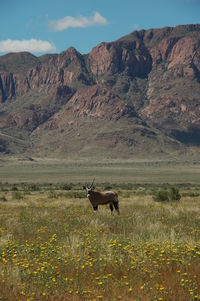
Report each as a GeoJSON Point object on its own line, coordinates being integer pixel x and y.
{"type": "Point", "coordinates": [53, 247]}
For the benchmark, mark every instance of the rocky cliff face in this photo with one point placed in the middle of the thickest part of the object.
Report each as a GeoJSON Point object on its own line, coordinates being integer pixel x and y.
{"type": "Point", "coordinates": [147, 80]}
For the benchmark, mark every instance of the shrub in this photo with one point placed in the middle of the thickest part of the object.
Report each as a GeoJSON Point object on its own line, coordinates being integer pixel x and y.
{"type": "Point", "coordinates": [167, 194]}
{"type": "Point", "coordinates": [174, 194]}
{"type": "Point", "coordinates": [3, 198]}
{"type": "Point", "coordinates": [66, 187]}
{"type": "Point", "coordinates": [14, 188]}
{"type": "Point", "coordinates": [192, 194]}
{"type": "Point", "coordinates": [161, 195]}
{"type": "Point", "coordinates": [52, 194]}
{"type": "Point", "coordinates": [108, 187]}
{"type": "Point", "coordinates": [75, 194]}
{"type": "Point", "coordinates": [34, 187]}
{"type": "Point", "coordinates": [17, 195]}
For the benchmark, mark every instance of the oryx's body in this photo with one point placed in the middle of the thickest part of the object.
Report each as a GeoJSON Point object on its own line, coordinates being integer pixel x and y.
{"type": "Point", "coordinates": [102, 198]}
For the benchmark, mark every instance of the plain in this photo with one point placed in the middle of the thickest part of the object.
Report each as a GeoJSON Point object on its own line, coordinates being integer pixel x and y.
{"type": "Point", "coordinates": [53, 247]}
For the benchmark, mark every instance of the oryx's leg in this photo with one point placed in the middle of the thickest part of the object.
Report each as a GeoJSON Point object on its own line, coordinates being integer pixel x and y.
{"type": "Point", "coordinates": [95, 207]}
{"type": "Point", "coordinates": [111, 208]}
{"type": "Point", "coordinates": [116, 205]}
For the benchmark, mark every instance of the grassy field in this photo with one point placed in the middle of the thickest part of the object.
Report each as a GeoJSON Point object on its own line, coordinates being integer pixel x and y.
{"type": "Point", "coordinates": [116, 171]}
{"type": "Point", "coordinates": [53, 247]}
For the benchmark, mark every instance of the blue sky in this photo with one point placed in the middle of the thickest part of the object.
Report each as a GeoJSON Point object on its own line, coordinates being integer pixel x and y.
{"type": "Point", "coordinates": [44, 26]}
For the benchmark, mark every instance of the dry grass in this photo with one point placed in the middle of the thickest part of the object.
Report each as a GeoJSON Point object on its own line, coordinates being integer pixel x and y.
{"type": "Point", "coordinates": [127, 171]}
{"type": "Point", "coordinates": [57, 249]}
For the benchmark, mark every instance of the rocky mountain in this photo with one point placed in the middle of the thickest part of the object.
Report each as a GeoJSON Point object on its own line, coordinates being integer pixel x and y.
{"type": "Point", "coordinates": [137, 96]}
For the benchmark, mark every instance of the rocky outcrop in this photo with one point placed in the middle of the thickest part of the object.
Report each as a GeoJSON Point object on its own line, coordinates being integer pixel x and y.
{"type": "Point", "coordinates": [7, 86]}
{"type": "Point", "coordinates": [150, 77]}
{"type": "Point", "coordinates": [98, 102]}
{"type": "Point", "coordinates": [118, 57]}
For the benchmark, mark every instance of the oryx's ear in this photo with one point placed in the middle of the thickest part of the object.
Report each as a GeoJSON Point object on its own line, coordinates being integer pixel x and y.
{"type": "Point", "coordinates": [84, 187]}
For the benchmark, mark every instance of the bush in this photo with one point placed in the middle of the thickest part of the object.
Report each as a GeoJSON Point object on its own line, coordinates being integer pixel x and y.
{"type": "Point", "coordinates": [109, 187]}
{"type": "Point", "coordinates": [167, 194]}
{"type": "Point", "coordinates": [66, 187]}
{"type": "Point", "coordinates": [17, 195]}
{"type": "Point", "coordinates": [14, 188]}
{"type": "Point", "coordinates": [174, 194]}
{"type": "Point", "coordinates": [192, 194]}
{"type": "Point", "coordinates": [52, 194]}
{"type": "Point", "coordinates": [161, 195]}
{"type": "Point", "coordinates": [3, 198]}
{"type": "Point", "coordinates": [34, 187]}
{"type": "Point", "coordinates": [75, 194]}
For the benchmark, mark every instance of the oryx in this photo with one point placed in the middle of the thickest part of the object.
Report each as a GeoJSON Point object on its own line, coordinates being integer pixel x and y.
{"type": "Point", "coordinates": [102, 198]}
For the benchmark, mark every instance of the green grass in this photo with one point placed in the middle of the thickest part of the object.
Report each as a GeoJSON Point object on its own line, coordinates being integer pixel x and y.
{"type": "Point", "coordinates": [53, 247]}
{"type": "Point", "coordinates": [107, 171]}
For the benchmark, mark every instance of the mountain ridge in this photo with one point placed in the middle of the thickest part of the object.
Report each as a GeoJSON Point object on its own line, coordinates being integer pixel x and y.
{"type": "Point", "coordinates": [138, 95]}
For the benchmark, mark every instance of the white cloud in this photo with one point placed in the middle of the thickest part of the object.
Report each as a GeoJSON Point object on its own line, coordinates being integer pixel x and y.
{"type": "Point", "coordinates": [73, 22]}
{"type": "Point", "coordinates": [31, 45]}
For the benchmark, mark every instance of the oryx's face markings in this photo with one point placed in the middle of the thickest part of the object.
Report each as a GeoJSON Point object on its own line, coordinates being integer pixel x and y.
{"type": "Point", "coordinates": [88, 190]}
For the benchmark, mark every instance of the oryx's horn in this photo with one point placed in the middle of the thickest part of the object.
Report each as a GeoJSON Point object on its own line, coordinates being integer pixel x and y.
{"type": "Point", "coordinates": [92, 183]}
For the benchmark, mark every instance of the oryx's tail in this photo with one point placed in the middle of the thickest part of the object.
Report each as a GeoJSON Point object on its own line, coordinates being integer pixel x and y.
{"type": "Point", "coordinates": [116, 204]}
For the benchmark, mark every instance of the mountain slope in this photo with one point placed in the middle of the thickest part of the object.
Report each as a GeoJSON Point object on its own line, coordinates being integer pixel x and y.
{"type": "Point", "coordinates": [137, 96]}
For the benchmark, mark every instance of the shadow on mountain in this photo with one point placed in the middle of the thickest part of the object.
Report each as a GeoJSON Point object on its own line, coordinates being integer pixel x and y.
{"type": "Point", "coordinates": [3, 146]}
{"type": "Point", "coordinates": [190, 137]}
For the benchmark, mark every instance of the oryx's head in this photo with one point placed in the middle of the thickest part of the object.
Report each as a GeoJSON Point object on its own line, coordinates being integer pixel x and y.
{"type": "Point", "coordinates": [89, 188]}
